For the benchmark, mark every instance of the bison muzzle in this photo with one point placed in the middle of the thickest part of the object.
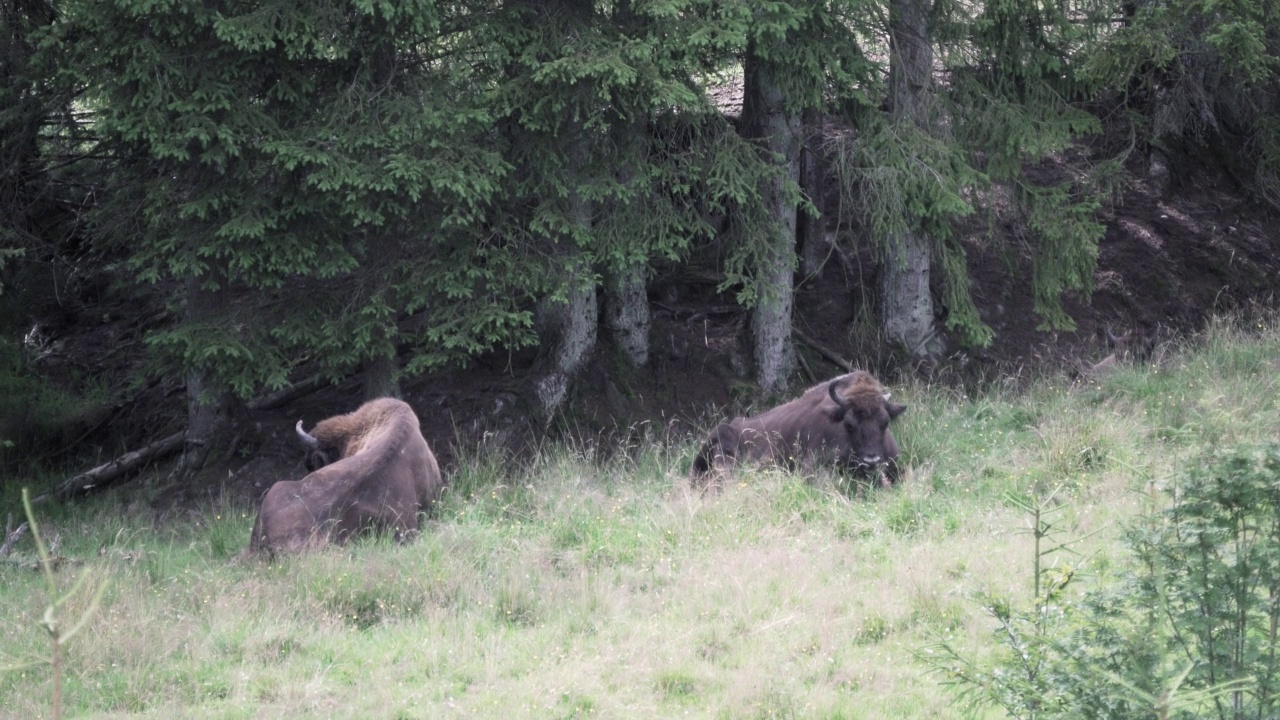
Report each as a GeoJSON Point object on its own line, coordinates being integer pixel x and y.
{"type": "Point", "coordinates": [369, 470]}
{"type": "Point", "coordinates": [843, 423]}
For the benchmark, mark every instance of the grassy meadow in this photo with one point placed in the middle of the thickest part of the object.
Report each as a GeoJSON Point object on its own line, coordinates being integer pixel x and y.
{"type": "Point", "coordinates": [574, 588]}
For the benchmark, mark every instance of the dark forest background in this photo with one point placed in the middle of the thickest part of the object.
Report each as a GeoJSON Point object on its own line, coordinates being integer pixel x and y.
{"type": "Point", "coordinates": [624, 217]}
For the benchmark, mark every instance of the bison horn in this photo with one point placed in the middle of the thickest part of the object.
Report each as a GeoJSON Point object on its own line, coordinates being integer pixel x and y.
{"type": "Point", "coordinates": [843, 406]}
{"type": "Point", "coordinates": [307, 439]}
{"type": "Point", "coordinates": [835, 385]}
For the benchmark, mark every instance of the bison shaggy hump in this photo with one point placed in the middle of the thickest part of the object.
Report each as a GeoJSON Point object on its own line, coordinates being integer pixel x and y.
{"type": "Point", "coordinates": [371, 470]}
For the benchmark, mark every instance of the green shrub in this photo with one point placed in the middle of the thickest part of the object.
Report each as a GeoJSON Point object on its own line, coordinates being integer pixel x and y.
{"type": "Point", "coordinates": [1188, 629]}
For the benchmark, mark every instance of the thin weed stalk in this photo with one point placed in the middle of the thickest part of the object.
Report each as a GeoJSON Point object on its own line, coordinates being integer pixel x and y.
{"type": "Point", "coordinates": [51, 622]}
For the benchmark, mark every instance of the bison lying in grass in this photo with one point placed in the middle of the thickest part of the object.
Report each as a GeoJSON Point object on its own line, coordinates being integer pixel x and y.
{"type": "Point", "coordinates": [370, 470]}
{"type": "Point", "coordinates": [843, 423]}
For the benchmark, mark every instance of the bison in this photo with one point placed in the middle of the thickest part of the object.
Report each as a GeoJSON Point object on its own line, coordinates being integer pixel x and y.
{"type": "Point", "coordinates": [842, 423]}
{"type": "Point", "coordinates": [369, 470]}
{"type": "Point", "coordinates": [1133, 346]}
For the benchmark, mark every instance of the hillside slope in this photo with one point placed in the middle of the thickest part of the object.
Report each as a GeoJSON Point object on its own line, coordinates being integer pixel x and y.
{"type": "Point", "coordinates": [1174, 254]}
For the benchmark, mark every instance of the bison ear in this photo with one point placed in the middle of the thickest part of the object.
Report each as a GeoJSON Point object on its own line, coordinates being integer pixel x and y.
{"type": "Point", "coordinates": [316, 459]}
{"type": "Point", "coordinates": [894, 409]}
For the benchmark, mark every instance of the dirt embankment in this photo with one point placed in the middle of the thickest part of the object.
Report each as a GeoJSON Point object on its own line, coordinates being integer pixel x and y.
{"type": "Point", "coordinates": [1171, 257]}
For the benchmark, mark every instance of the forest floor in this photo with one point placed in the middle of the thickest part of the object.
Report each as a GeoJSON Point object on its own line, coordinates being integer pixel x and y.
{"type": "Point", "coordinates": [1176, 252]}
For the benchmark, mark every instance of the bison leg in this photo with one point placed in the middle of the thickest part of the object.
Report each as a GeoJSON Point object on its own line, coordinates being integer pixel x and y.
{"type": "Point", "coordinates": [891, 469]}
{"type": "Point", "coordinates": [405, 528]}
{"type": "Point", "coordinates": [890, 473]}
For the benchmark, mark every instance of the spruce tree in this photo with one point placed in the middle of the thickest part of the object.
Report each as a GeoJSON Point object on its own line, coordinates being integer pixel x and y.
{"type": "Point", "coordinates": [598, 112]}
{"type": "Point", "coordinates": [296, 172]}
{"type": "Point", "coordinates": [31, 201]}
{"type": "Point", "coordinates": [1017, 97]}
{"type": "Point", "coordinates": [1196, 75]}
{"type": "Point", "coordinates": [798, 57]}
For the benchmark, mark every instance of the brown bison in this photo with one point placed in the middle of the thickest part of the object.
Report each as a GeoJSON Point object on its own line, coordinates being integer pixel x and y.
{"type": "Point", "coordinates": [1133, 346]}
{"type": "Point", "coordinates": [370, 470]}
{"type": "Point", "coordinates": [842, 423]}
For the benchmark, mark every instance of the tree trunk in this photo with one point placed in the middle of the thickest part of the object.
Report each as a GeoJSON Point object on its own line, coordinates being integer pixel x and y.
{"type": "Point", "coordinates": [207, 398]}
{"type": "Point", "coordinates": [568, 327]}
{"type": "Point", "coordinates": [626, 314]}
{"type": "Point", "coordinates": [906, 304]}
{"type": "Point", "coordinates": [766, 117]}
{"type": "Point", "coordinates": [810, 229]}
{"type": "Point", "coordinates": [626, 300]}
{"type": "Point", "coordinates": [568, 330]}
{"type": "Point", "coordinates": [381, 377]}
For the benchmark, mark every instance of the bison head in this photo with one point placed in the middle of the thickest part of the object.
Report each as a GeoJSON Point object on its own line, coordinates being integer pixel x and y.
{"type": "Point", "coordinates": [864, 410]}
{"type": "Point", "coordinates": [1135, 344]}
{"type": "Point", "coordinates": [317, 455]}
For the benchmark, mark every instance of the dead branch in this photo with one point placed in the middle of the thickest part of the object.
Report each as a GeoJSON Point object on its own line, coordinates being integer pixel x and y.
{"type": "Point", "coordinates": [804, 367]}
{"type": "Point", "coordinates": [28, 563]}
{"type": "Point", "coordinates": [110, 472]}
{"type": "Point", "coordinates": [823, 350]}
{"type": "Point", "coordinates": [293, 392]}
{"type": "Point", "coordinates": [695, 313]}
{"type": "Point", "coordinates": [11, 536]}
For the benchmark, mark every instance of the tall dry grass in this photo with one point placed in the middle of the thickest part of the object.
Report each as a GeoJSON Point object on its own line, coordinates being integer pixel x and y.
{"type": "Point", "coordinates": [570, 587]}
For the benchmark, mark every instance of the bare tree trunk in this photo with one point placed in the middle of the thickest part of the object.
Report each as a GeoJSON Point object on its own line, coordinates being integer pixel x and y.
{"type": "Point", "coordinates": [626, 314]}
{"type": "Point", "coordinates": [381, 377]}
{"type": "Point", "coordinates": [810, 229]}
{"type": "Point", "coordinates": [626, 300]}
{"type": "Point", "coordinates": [906, 304]}
{"type": "Point", "coordinates": [381, 371]}
{"type": "Point", "coordinates": [765, 116]}
{"type": "Point", "coordinates": [208, 400]}
{"type": "Point", "coordinates": [568, 327]}
{"type": "Point", "coordinates": [568, 330]}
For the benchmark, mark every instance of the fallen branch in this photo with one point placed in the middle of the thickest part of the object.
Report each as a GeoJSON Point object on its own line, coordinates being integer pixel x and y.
{"type": "Point", "coordinates": [11, 536]}
{"type": "Point", "coordinates": [693, 313]}
{"type": "Point", "coordinates": [25, 562]}
{"type": "Point", "coordinates": [823, 350]}
{"type": "Point", "coordinates": [280, 397]}
{"type": "Point", "coordinates": [804, 367]}
{"type": "Point", "coordinates": [108, 473]}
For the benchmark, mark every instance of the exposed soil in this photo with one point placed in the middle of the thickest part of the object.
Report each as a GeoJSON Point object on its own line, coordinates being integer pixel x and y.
{"type": "Point", "coordinates": [1171, 257]}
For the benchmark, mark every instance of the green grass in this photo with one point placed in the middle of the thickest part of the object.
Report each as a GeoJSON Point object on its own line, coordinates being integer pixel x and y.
{"type": "Point", "coordinates": [571, 587]}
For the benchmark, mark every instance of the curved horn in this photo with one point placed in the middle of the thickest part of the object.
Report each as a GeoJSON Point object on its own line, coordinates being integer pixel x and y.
{"type": "Point", "coordinates": [309, 441]}
{"type": "Point", "coordinates": [835, 385]}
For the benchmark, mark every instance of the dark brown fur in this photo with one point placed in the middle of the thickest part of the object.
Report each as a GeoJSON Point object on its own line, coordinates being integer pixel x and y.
{"type": "Point", "coordinates": [1133, 346]}
{"type": "Point", "coordinates": [814, 429]}
{"type": "Point", "coordinates": [382, 476]}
